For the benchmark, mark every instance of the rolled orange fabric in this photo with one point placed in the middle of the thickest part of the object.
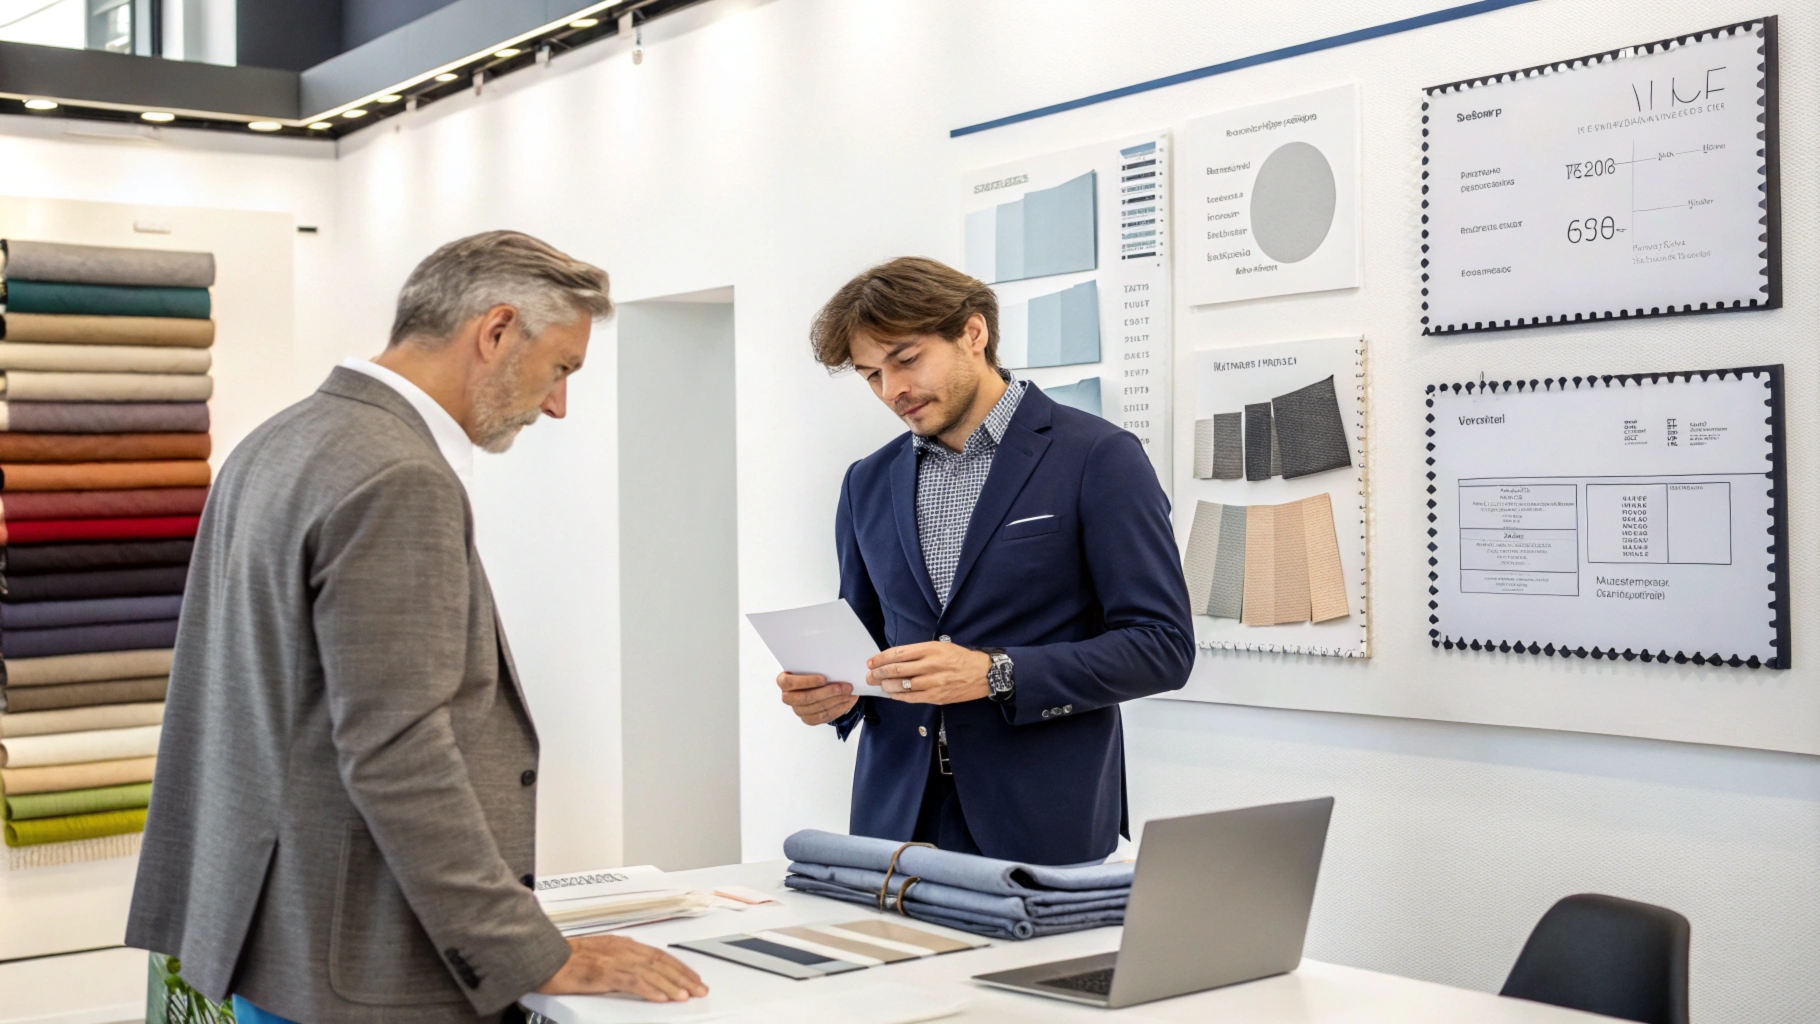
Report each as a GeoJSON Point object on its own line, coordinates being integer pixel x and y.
{"type": "Point", "coordinates": [101, 447]}
{"type": "Point", "coordinates": [94, 476]}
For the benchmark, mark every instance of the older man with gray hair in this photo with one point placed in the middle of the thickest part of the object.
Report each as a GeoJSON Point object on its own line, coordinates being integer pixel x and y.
{"type": "Point", "coordinates": [343, 817]}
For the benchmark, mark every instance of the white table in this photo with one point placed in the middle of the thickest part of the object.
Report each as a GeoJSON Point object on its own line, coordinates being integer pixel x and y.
{"type": "Point", "coordinates": [1317, 993]}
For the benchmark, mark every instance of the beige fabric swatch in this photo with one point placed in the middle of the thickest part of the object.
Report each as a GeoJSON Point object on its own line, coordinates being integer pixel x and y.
{"type": "Point", "coordinates": [103, 358]}
{"type": "Point", "coordinates": [104, 716]}
{"type": "Point", "coordinates": [1326, 579]}
{"type": "Point", "coordinates": [84, 668]}
{"type": "Point", "coordinates": [37, 386]}
{"type": "Point", "coordinates": [80, 747]}
{"type": "Point", "coordinates": [1203, 449]}
{"type": "Point", "coordinates": [1203, 551]}
{"type": "Point", "coordinates": [1260, 566]}
{"type": "Point", "coordinates": [1291, 565]}
{"type": "Point", "coordinates": [83, 329]}
{"type": "Point", "coordinates": [57, 778]}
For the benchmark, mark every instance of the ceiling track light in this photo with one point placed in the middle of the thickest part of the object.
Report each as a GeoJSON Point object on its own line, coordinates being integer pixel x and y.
{"type": "Point", "coordinates": [158, 116]}
{"type": "Point", "coordinates": [264, 126]}
{"type": "Point", "coordinates": [41, 104]}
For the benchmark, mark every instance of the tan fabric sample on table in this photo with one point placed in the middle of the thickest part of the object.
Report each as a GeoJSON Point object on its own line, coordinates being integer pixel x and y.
{"type": "Point", "coordinates": [87, 668]}
{"type": "Point", "coordinates": [38, 386]}
{"type": "Point", "coordinates": [79, 747]}
{"type": "Point", "coordinates": [69, 329]}
{"type": "Point", "coordinates": [103, 476]}
{"type": "Point", "coordinates": [17, 447]}
{"type": "Point", "coordinates": [56, 778]}
{"type": "Point", "coordinates": [83, 695]}
{"type": "Point", "coordinates": [106, 716]}
{"type": "Point", "coordinates": [103, 358]}
{"type": "Point", "coordinates": [1326, 579]}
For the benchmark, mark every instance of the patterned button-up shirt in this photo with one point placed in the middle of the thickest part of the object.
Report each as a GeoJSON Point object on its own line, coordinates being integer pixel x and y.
{"type": "Point", "coordinates": [948, 485]}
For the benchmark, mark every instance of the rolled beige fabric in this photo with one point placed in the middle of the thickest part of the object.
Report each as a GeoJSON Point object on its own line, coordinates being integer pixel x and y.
{"type": "Point", "coordinates": [39, 386]}
{"type": "Point", "coordinates": [103, 476]}
{"type": "Point", "coordinates": [105, 716]}
{"type": "Point", "coordinates": [79, 747]}
{"type": "Point", "coordinates": [80, 329]}
{"type": "Point", "coordinates": [56, 778]}
{"type": "Point", "coordinates": [87, 668]}
{"type": "Point", "coordinates": [103, 358]}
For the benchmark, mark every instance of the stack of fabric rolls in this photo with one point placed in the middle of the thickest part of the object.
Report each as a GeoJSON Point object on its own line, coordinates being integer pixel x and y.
{"type": "Point", "coordinates": [104, 446]}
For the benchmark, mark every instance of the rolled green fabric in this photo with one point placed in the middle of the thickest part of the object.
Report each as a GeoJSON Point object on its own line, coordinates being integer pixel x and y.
{"type": "Point", "coordinates": [105, 299]}
{"type": "Point", "coordinates": [72, 827]}
{"type": "Point", "coordinates": [78, 801]}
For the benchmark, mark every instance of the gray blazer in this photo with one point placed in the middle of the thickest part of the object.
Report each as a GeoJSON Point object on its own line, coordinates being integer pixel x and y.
{"type": "Point", "coordinates": [342, 820]}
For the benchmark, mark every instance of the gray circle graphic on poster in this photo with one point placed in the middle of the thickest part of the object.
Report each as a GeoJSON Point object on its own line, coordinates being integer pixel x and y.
{"type": "Point", "coordinates": [1292, 203]}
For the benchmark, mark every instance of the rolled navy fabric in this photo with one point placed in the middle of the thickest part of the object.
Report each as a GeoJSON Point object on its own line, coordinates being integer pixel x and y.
{"type": "Point", "coordinates": [47, 614]}
{"type": "Point", "coordinates": [106, 299]}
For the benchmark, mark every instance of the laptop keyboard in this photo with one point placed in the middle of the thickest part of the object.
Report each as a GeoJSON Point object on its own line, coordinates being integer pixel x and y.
{"type": "Point", "coordinates": [1097, 983]}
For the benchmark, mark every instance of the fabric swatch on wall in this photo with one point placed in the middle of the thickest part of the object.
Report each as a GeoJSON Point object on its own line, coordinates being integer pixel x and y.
{"type": "Point", "coordinates": [1203, 552]}
{"type": "Point", "coordinates": [1276, 450]}
{"type": "Point", "coordinates": [106, 299]}
{"type": "Point", "coordinates": [54, 329]}
{"type": "Point", "coordinates": [103, 476]}
{"type": "Point", "coordinates": [29, 260]}
{"type": "Point", "coordinates": [1310, 432]}
{"type": "Point", "coordinates": [1226, 599]}
{"type": "Point", "coordinates": [90, 775]}
{"type": "Point", "coordinates": [22, 447]}
{"type": "Point", "coordinates": [113, 716]}
{"type": "Point", "coordinates": [1260, 564]}
{"type": "Point", "coordinates": [1228, 446]}
{"type": "Point", "coordinates": [73, 827]}
{"type": "Point", "coordinates": [104, 417]}
{"type": "Point", "coordinates": [89, 639]}
{"type": "Point", "coordinates": [1290, 588]}
{"type": "Point", "coordinates": [1326, 579]}
{"type": "Point", "coordinates": [43, 531]}
{"type": "Point", "coordinates": [41, 386]}
{"type": "Point", "coordinates": [1203, 449]}
{"type": "Point", "coordinates": [78, 801]}
{"type": "Point", "coordinates": [79, 747]}
{"type": "Point", "coordinates": [72, 586]}
{"type": "Point", "coordinates": [83, 668]}
{"type": "Point", "coordinates": [103, 358]}
{"type": "Point", "coordinates": [82, 695]}
{"type": "Point", "coordinates": [1257, 441]}
{"type": "Point", "coordinates": [37, 559]}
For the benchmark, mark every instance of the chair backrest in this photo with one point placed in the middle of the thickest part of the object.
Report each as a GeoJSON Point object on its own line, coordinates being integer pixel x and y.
{"type": "Point", "coordinates": [1606, 955]}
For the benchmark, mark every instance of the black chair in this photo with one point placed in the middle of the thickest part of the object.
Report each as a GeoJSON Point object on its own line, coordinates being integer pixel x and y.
{"type": "Point", "coordinates": [1605, 955]}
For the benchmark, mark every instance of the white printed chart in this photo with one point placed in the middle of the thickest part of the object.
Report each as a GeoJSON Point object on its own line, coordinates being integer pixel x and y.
{"type": "Point", "coordinates": [1076, 244]}
{"type": "Point", "coordinates": [1270, 200]}
{"type": "Point", "coordinates": [1639, 182]}
{"type": "Point", "coordinates": [1631, 516]}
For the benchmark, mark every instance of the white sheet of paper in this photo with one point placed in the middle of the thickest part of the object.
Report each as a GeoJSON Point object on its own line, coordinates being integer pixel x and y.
{"type": "Point", "coordinates": [820, 639]}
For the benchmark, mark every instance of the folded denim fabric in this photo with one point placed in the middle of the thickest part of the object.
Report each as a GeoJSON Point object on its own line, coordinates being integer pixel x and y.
{"type": "Point", "coordinates": [96, 417]}
{"type": "Point", "coordinates": [17, 446]}
{"type": "Point", "coordinates": [31, 355]}
{"type": "Point", "coordinates": [71, 827]}
{"type": "Point", "coordinates": [118, 503]}
{"type": "Point", "coordinates": [30, 260]}
{"type": "Point", "coordinates": [962, 870]}
{"type": "Point", "coordinates": [1020, 908]}
{"type": "Point", "coordinates": [37, 559]}
{"type": "Point", "coordinates": [80, 747]}
{"type": "Point", "coordinates": [979, 924]}
{"type": "Point", "coordinates": [93, 638]}
{"type": "Point", "coordinates": [81, 329]}
{"type": "Point", "coordinates": [113, 716]}
{"type": "Point", "coordinates": [106, 299]}
{"type": "Point", "coordinates": [85, 668]}
{"type": "Point", "coordinates": [78, 801]}
{"type": "Point", "coordinates": [58, 386]}
{"type": "Point", "coordinates": [72, 586]}
{"type": "Point", "coordinates": [45, 531]}
{"type": "Point", "coordinates": [66, 696]}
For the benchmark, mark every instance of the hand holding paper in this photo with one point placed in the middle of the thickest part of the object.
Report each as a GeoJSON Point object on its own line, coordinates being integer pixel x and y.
{"type": "Point", "coordinates": [823, 649]}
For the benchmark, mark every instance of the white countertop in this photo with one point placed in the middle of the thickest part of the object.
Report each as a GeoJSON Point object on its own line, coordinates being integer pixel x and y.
{"type": "Point", "coordinates": [1316, 993]}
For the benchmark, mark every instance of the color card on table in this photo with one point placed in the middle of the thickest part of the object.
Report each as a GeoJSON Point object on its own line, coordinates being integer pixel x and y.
{"type": "Point", "coordinates": [817, 950]}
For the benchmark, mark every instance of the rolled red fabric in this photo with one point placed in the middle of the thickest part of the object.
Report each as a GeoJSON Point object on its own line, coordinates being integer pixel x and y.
{"type": "Point", "coordinates": [16, 447]}
{"type": "Point", "coordinates": [95, 476]}
{"type": "Point", "coordinates": [122, 504]}
{"type": "Point", "coordinates": [41, 531]}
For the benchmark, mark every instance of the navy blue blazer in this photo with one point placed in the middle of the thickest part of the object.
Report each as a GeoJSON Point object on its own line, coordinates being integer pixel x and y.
{"type": "Point", "coordinates": [1070, 565]}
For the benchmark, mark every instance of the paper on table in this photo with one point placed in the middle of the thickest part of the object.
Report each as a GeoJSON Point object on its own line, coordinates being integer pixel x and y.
{"type": "Point", "coordinates": [820, 639]}
{"type": "Point", "coordinates": [584, 902]}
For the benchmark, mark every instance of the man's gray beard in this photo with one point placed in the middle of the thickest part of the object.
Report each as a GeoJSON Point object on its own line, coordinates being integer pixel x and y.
{"type": "Point", "coordinates": [496, 424]}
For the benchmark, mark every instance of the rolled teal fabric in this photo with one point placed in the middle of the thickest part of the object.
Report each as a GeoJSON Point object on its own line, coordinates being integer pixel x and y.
{"type": "Point", "coordinates": [105, 299]}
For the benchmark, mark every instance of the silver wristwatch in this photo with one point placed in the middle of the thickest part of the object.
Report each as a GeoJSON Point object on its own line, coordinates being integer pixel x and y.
{"type": "Point", "coordinates": [1000, 686]}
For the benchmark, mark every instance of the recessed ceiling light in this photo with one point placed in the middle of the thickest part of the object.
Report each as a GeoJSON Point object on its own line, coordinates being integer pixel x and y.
{"type": "Point", "coordinates": [158, 115]}
{"type": "Point", "coordinates": [447, 76]}
{"type": "Point", "coordinates": [356, 112]}
{"type": "Point", "coordinates": [390, 97]}
{"type": "Point", "coordinates": [41, 104]}
{"type": "Point", "coordinates": [510, 51]}
{"type": "Point", "coordinates": [320, 125]}
{"type": "Point", "coordinates": [264, 126]}
{"type": "Point", "coordinates": [584, 23]}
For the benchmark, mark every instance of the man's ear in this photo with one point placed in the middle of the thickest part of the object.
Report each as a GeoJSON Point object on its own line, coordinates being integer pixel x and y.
{"type": "Point", "coordinates": [977, 335]}
{"type": "Point", "coordinates": [492, 329]}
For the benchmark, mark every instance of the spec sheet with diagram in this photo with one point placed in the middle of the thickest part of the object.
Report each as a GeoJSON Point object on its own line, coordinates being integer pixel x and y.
{"type": "Point", "coordinates": [1626, 515]}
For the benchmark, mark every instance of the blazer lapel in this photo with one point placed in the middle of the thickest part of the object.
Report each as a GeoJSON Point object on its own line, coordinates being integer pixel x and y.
{"type": "Point", "coordinates": [1012, 464]}
{"type": "Point", "coordinates": [903, 507]}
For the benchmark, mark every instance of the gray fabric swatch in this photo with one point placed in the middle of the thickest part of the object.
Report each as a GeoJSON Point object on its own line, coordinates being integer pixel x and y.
{"type": "Point", "coordinates": [1257, 441]}
{"type": "Point", "coordinates": [1226, 597]}
{"type": "Point", "coordinates": [104, 264]}
{"type": "Point", "coordinates": [1228, 446]}
{"type": "Point", "coordinates": [1309, 430]}
{"type": "Point", "coordinates": [1203, 449]}
{"type": "Point", "coordinates": [1203, 550]}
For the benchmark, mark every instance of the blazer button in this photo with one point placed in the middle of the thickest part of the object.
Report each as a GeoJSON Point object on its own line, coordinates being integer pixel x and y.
{"type": "Point", "coordinates": [1067, 709]}
{"type": "Point", "coordinates": [529, 778]}
{"type": "Point", "coordinates": [529, 881]}
{"type": "Point", "coordinates": [1047, 712]}
{"type": "Point", "coordinates": [922, 730]}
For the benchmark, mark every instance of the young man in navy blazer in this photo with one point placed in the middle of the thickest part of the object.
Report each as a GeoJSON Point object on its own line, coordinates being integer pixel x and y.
{"type": "Point", "coordinates": [1015, 558]}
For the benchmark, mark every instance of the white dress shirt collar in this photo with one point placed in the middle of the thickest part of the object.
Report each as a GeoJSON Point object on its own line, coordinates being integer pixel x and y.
{"type": "Point", "coordinates": [451, 440]}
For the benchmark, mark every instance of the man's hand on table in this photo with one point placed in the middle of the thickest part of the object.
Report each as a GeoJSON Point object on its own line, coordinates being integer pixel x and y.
{"type": "Point", "coordinates": [814, 699]}
{"type": "Point", "coordinates": [610, 963]}
{"type": "Point", "coordinates": [931, 673]}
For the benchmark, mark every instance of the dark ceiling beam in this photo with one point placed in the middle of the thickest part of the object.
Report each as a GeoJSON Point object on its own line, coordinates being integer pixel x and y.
{"type": "Point", "coordinates": [126, 82]}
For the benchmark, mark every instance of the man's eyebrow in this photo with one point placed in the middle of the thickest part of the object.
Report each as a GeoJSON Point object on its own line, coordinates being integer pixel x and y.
{"type": "Point", "coordinates": [891, 351]}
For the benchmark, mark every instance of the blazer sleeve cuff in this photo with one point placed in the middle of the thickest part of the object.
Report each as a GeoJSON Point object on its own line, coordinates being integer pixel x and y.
{"type": "Point", "coordinates": [514, 970]}
{"type": "Point", "coordinates": [1038, 698]}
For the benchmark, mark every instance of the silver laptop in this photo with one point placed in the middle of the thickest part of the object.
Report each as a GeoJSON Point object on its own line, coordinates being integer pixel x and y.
{"type": "Point", "coordinates": [1216, 899]}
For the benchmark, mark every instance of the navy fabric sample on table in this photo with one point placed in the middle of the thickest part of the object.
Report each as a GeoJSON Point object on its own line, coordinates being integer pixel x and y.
{"type": "Point", "coordinates": [1310, 432]}
{"type": "Point", "coordinates": [90, 639]}
{"type": "Point", "coordinates": [69, 586]}
{"type": "Point", "coordinates": [106, 299]}
{"type": "Point", "coordinates": [1257, 441]}
{"type": "Point", "coordinates": [48, 614]}
{"type": "Point", "coordinates": [38, 559]}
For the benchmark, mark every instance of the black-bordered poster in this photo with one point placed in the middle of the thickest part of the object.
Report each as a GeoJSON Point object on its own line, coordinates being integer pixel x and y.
{"type": "Point", "coordinates": [1632, 516]}
{"type": "Point", "coordinates": [1636, 182]}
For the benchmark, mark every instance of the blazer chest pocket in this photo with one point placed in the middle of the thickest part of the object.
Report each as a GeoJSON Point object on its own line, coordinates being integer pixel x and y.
{"type": "Point", "coordinates": [378, 952]}
{"type": "Point", "coordinates": [1025, 527]}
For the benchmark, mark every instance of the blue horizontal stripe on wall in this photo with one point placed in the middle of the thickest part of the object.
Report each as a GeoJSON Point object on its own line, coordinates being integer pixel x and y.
{"type": "Point", "coordinates": [1390, 28]}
